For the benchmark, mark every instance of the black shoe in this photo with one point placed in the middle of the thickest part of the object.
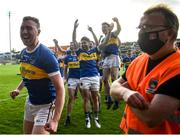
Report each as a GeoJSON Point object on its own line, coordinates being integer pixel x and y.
{"type": "Point", "coordinates": [67, 122]}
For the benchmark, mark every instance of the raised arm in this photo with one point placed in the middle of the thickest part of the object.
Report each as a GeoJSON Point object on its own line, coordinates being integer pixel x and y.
{"type": "Point", "coordinates": [58, 47]}
{"type": "Point", "coordinates": [76, 24]}
{"type": "Point", "coordinates": [94, 35]}
{"type": "Point", "coordinates": [105, 40]}
{"type": "Point", "coordinates": [116, 32]}
{"type": "Point", "coordinates": [100, 38]}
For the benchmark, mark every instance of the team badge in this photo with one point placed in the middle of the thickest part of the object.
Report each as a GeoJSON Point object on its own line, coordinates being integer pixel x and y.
{"type": "Point", "coordinates": [152, 86]}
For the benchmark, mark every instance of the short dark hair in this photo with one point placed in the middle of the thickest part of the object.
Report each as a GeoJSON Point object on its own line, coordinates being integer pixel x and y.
{"type": "Point", "coordinates": [34, 19]}
{"type": "Point", "coordinates": [85, 38]}
{"type": "Point", "coordinates": [105, 23]}
{"type": "Point", "coordinates": [170, 17]}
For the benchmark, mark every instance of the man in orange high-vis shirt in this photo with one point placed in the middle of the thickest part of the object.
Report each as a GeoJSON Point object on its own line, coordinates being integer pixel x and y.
{"type": "Point", "coordinates": [150, 86]}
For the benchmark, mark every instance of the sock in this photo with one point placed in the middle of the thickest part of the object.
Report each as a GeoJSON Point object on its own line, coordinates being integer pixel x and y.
{"type": "Point", "coordinates": [87, 115]}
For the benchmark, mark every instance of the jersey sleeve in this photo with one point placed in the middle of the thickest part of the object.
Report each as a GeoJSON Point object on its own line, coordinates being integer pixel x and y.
{"type": "Point", "coordinates": [50, 63]}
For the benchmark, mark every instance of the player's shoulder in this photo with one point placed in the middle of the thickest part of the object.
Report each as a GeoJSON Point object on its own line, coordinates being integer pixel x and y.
{"type": "Point", "coordinates": [43, 47]}
{"type": "Point", "coordinates": [44, 50]}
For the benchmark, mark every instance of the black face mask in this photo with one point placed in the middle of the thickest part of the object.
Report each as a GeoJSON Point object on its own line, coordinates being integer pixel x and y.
{"type": "Point", "coordinates": [150, 46]}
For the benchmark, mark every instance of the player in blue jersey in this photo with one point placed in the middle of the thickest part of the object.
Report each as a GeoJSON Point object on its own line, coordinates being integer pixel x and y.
{"type": "Point", "coordinates": [41, 76]}
{"type": "Point", "coordinates": [127, 58]}
{"type": "Point", "coordinates": [110, 52]}
{"type": "Point", "coordinates": [89, 79]}
{"type": "Point", "coordinates": [61, 64]}
{"type": "Point", "coordinates": [61, 58]}
{"type": "Point", "coordinates": [72, 77]}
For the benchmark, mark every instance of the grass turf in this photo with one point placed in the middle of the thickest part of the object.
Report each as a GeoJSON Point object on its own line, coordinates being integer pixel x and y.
{"type": "Point", "coordinates": [11, 111]}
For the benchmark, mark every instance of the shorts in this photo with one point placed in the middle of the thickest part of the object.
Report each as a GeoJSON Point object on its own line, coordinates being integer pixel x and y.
{"type": "Point", "coordinates": [90, 83]}
{"type": "Point", "coordinates": [39, 114]}
{"type": "Point", "coordinates": [73, 83]}
{"type": "Point", "coordinates": [111, 61]}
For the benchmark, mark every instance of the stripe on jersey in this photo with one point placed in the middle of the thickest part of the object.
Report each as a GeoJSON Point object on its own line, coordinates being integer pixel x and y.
{"type": "Point", "coordinates": [85, 56]}
{"type": "Point", "coordinates": [29, 71]}
{"type": "Point", "coordinates": [74, 64]}
{"type": "Point", "coordinates": [113, 41]}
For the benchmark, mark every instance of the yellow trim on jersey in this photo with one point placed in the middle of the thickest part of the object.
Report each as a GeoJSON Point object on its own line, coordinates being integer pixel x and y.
{"type": "Point", "coordinates": [113, 41]}
{"type": "Point", "coordinates": [29, 71]}
{"type": "Point", "coordinates": [85, 56]}
{"type": "Point", "coordinates": [74, 64]}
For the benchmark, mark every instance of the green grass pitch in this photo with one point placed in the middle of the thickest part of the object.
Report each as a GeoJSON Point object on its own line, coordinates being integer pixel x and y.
{"type": "Point", "coordinates": [11, 111]}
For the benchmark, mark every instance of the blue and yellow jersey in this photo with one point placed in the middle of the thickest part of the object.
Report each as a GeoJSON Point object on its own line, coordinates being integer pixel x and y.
{"type": "Point", "coordinates": [61, 65]}
{"type": "Point", "coordinates": [35, 68]}
{"type": "Point", "coordinates": [71, 61]}
{"type": "Point", "coordinates": [88, 62]}
{"type": "Point", "coordinates": [112, 46]}
{"type": "Point", "coordinates": [126, 61]}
